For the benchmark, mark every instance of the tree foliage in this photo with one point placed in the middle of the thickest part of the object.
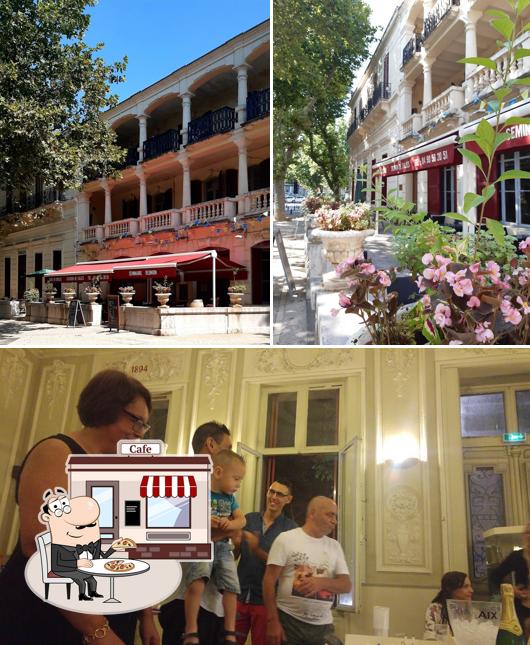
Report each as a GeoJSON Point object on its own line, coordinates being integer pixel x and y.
{"type": "Point", "coordinates": [318, 45]}
{"type": "Point", "coordinates": [53, 88]}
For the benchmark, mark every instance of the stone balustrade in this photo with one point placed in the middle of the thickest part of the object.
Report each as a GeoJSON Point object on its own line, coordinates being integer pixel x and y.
{"type": "Point", "coordinates": [411, 125]}
{"type": "Point", "coordinates": [161, 221]}
{"type": "Point", "coordinates": [449, 101]}
{"type": "Point", "coordinates": [216, 209]}
{"type": "Point", "coordinates": [122, 227]}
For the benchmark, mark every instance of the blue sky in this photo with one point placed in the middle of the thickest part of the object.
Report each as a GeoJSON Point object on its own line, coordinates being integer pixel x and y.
{"type": "Point", "coordinates": [159, 36]}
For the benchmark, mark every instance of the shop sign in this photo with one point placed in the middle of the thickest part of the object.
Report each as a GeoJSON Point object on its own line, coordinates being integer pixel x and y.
{"type": "Point", "coordinates": [432, 159]}
{"type": "Point", "coordinates": [153, 447]}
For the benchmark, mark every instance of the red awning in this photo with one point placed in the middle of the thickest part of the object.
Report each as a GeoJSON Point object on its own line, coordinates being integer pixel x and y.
{"type": "Point", "coordinates": [156, 266]}
{"type": "Point", "coordinates": [442, 156]}
{"type": "Point", "coordinates": [168, 486]}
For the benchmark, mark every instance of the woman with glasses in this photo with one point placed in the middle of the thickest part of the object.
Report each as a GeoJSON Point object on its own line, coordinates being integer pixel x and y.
{"type": "Point", "coordinates": [112, 406]}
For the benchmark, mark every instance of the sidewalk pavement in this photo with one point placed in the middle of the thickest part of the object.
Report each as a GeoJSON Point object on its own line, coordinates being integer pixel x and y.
{"type": "Point", "coordinates": [294, 320]}
{"type": "Point", "coordinates": [22, 333]}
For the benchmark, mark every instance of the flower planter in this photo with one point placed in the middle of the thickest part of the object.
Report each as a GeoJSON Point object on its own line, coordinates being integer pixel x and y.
{"type": "Point", "coordinates": [197, 303]}
{"type": "Point", "coordinates": [340, 245]}
{"type": "Point", "coordinates": [50, 295]}
{"type": "Point", "coordinates": [162, 299]}
{"type": "Point", "coordinates": [236, 299]}
{"type": "Point", "coordinates": [68, 297]}
{"type": "Point", "coordinates": [92, 297]}
{"type": "Point", "coordinates": [127, 296]}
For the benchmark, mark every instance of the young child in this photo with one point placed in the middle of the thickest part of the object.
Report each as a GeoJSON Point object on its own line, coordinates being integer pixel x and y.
{"type": "Point", "coordinates": [228, 472]}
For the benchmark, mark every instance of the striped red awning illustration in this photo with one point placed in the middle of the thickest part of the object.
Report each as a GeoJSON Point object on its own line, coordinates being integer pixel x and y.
{"type": "Point", "coordinates": [168, 486]}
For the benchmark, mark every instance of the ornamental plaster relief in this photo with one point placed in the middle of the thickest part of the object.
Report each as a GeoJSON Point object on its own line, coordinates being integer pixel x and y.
{"type": "Point", "coordinates": [403, 545]}
{"type": "Point", "coordinates": [58, 380]}
{"type": "Point", "coordinates": [12, 372]}
{"type": "Point", "coordinates": [270, 361]}
{"type": "Point", "coordinates": [151, 367]}
{"type": "Point", "coordinates": [399, 363]}
{"type": "Point", "coordinates": [216, 375]}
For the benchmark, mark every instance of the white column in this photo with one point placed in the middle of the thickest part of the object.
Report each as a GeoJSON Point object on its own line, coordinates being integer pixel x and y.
{"type": "Point", "coordinates": [108, 201]}
{"type": "Point", "coordinates": [427, 80]}
{"type": "Point", "coordinates": [186, 179]}
{"type": "Point", "coordinates": [405, 100]}
{"type": "Point", "coordinates": [143, 190]}
{"type": "Point", "coordinates": [470, 20]}
{"type": "Point", "coordinates": [469, 185]}
{"type": "Point", "coordinates": [142, 136]}
{"type": "Point", "coordinates": [427, 6]}
{"type": "Point", "coordinates": [242, 76]}
{"type": "Point", "coordinates": [83, 211]}
{"type": "Point", "coordinates": [242, 175]}
{"type": "Point", "coordinates": [186, 115]}
{"type": "Point", "coordinates": [423, 195]}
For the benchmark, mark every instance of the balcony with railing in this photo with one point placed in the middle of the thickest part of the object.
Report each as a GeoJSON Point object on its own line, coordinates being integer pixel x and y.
{"type": "Point", "coordinates": [353, 126]}
{"type": "Point", "coordinates": [211, 123]}
{"type": "Point", "coordinates": [444, 105]}
{"type": "Point", "coordinates": [411, 126]}
{"type": "Point", "coordinates": [257, 201]}
{"type": "Point", "coordinates": [161, 221]}
{"type": "Point", "coordinates": [258, 104]}
{"type": "Point", "coordinates": [412, 47]}
{"type": "Point", "coordinates": [158, 145]}
{"type": "Point", "coordinates": [131, 159]}
{"type": "Point", "coordinates": [436, 15]}
{"type": "Point", "coordinates": [31, 201]}
{"type": "Point", "coordinates": [217, 209]}
{"type": "Point", "coordinates": [483, 80]}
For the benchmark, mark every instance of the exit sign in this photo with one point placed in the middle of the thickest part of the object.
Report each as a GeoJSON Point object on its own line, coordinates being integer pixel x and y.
{"type": "Point", "coordinates": [514, 437]}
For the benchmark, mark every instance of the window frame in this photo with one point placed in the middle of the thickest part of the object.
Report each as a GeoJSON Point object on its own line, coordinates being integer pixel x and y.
{"type": "Point", "coordinates": [516, 157]}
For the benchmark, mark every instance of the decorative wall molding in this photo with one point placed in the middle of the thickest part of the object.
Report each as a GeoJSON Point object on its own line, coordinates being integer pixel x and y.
{"type": "Point", "coordinates": [216, 371]}
{"type": "Point", "coordinates": [57, 378]}
{"type": "Point", "coordinates": [151, 366]}
{"type": "Point", "coordinates": [274, 360]}
{"type": "Point", "coordinates": [399, 363]}
{"type": "Point", "coordinates": [13, 368]}
{"type": "Point", "coordinates": [403, 545]}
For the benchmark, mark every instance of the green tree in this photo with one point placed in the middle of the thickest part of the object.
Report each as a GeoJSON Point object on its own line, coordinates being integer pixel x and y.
{"type": "Point", "coordinates": [53, 88]}
{"type": "Point", "coordinates": [323, 158]}
{"type": "Point", "coordinates": [318, 44]}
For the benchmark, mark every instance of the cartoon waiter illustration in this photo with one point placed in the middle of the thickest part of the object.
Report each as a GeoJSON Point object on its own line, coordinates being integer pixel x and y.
{"type": "Point", "coordinates": [75, 538]}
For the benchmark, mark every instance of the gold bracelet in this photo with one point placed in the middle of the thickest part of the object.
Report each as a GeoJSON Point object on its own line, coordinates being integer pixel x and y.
{"type": "Point", "coordinates": [99, 633]}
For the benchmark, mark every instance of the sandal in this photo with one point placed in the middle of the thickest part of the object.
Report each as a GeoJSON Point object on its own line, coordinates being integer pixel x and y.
{"type": "Point", "coordinates": [184, 638]}
{"type": "Point", "coordinates": [226, 641]}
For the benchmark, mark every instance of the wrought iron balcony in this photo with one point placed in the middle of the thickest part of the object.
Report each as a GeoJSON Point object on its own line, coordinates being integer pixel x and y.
{"type": "Point", "coordinates": [380, 92]}
{"type": "Point", "coordinates": [353, 126]}
{"type": "Point", "coordinates": [211, 123]}
{"type": "Point", "coordinates": [162, 143]}
{"type": "Point", "coordinates": [437, 14]}
{"type": "Point", "coordinates": [258, 104]}
{"type": "Point", "coordinates": [33, 200]}
{"type": "Point", "coordinates": [131, 159]}
{"type": "Point", "coordinates": [413, 46]}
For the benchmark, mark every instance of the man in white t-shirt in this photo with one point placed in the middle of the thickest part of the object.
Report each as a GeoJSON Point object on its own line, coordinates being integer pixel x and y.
{"type": "Point", "coordinates": [310, 569]}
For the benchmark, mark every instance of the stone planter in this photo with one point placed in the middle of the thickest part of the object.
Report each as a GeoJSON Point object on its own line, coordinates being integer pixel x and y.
{"type": "Point", "coordinates": [162, 299]}
{"type": "Point", "coordinates": [127, 296]}
{"type": "Point", "coordinates": [68, 297]}
{"type": "Point", "coordinates": [235, 298]}
{"type": "Point", "coordinates": [92, 296]}
{"type": "Point", "coordinates": [340, 245]}
{"type": "Point", "coordinates": [50, 295]}
{"type": "Point", "coordinates": [197, 303]}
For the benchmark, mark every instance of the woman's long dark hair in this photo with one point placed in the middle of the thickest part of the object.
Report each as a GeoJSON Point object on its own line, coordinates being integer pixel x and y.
{"type": "Point", "coordinates": [451, 581]}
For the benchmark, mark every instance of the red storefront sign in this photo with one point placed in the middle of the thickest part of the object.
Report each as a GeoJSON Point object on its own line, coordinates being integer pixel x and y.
{"type": "Point", "coordinates": [520, 137]}
{"type": "Point", "coordinates": [444, 156]}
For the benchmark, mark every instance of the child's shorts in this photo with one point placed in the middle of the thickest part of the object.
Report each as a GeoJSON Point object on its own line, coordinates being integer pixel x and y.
{"type": "Point", "coordinates": [222, 570]}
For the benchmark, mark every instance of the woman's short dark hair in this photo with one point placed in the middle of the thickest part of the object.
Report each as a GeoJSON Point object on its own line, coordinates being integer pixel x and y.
{"type": "Point", "coordinates": [451, 581]}
{"type": "Point", "coordinates": [106, 395]}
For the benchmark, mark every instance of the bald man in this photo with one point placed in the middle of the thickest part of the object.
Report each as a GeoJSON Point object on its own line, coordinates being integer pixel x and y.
{"type": "Point", "coordinates": [310, 569]}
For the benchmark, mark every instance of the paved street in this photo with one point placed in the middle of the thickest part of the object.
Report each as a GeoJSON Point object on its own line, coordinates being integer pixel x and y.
{"type": "Point", "coordinates": [19, 333]}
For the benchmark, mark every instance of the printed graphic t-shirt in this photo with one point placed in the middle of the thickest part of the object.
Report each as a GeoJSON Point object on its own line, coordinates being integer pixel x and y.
{"type": "Point", "coordinates": [223, 504]}
{"type": "Point", "coordinates": [301, 556]}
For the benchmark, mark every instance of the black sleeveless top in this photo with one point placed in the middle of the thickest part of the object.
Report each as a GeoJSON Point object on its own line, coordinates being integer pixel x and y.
{"type": "Point", "coordinates": [25, 619]}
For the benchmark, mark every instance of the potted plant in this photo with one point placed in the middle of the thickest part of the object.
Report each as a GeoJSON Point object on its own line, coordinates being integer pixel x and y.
{"type": "Point", "coordinates": [93, 291]}
{"type": "Point", "coordinates": [68, 294]}
{"type": "Point", "coordinates": [49, 291]}
{"type": "Point", "coordinates": [127, 294]}
{"type": "Point", "coordinates": [236, 291]}
{"type": "Point", "coordinates": [31, 295]}
{"type": "Point", "coordinates": [343, 230]}
{"type": "Point", "coordinates": [163, 291]}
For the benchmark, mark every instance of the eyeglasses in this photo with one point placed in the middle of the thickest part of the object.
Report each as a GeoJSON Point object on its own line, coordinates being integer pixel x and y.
{"type": "Point", "coordinates": [273, 491]}
{"type": "Point", "coordinates": [139, 425]}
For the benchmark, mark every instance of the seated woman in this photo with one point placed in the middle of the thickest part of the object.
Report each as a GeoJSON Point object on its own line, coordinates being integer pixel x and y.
{"type": "Point", "coordinates": [456, 585]}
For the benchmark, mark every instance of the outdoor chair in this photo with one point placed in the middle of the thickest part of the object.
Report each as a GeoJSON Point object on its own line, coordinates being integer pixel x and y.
{"type": "Point", "coordinates": [48, 577]}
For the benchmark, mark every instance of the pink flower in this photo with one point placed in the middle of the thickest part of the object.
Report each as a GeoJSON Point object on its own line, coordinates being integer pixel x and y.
{"type": "Point", "coordinates": [344, 300]}
{"type": "Point", "coordinates": [493, 269]}
{"type": "Point", "coordinates": [473, 302]}
{"type": "Point", "coordinates": [474, 268]}
{"type": "Point", "coordinates": [524, 304]}
{"type": "Point", "coordinates": [427, 259]}
{"type": "Point", "coordinates": [443, 261]}
{"type": "Point", "coordinates": [344, 265]}
{"type": "Point", "coordinates": [428, 274]}
{"type": "Point", "coordinates": [524, 244]}
{"type": "Point", "coordinates": [384, 279]}
{"type": "Point", "coordinates": [442, 315]}
{"type": "Point", "coordinates": [426, 301]}
{"type": "Point", "coordinates": [510, 313]}
{"type": "Point", "coordinates": [482, 333]}
{"type": "Point", "coordinates": [334, 312]}
{"type": "Point", "coordinates": [455, 342]}
{"type": "Point", "coordinates": [463, 286]}
{"type": "Point", "coordinates": [367, 268]}
{"type": "Point", "coordinates": [419, 283]}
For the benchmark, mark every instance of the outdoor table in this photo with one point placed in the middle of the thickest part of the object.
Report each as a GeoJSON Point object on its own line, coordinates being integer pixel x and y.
{"type": "Point", "coordinates": [98, 569]}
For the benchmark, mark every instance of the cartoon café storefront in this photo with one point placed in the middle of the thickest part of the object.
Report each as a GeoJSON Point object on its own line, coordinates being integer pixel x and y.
{"type": "Point", "coordinates": [437, 177]}
{"type": "Point", "coordinates": [159, 501]}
